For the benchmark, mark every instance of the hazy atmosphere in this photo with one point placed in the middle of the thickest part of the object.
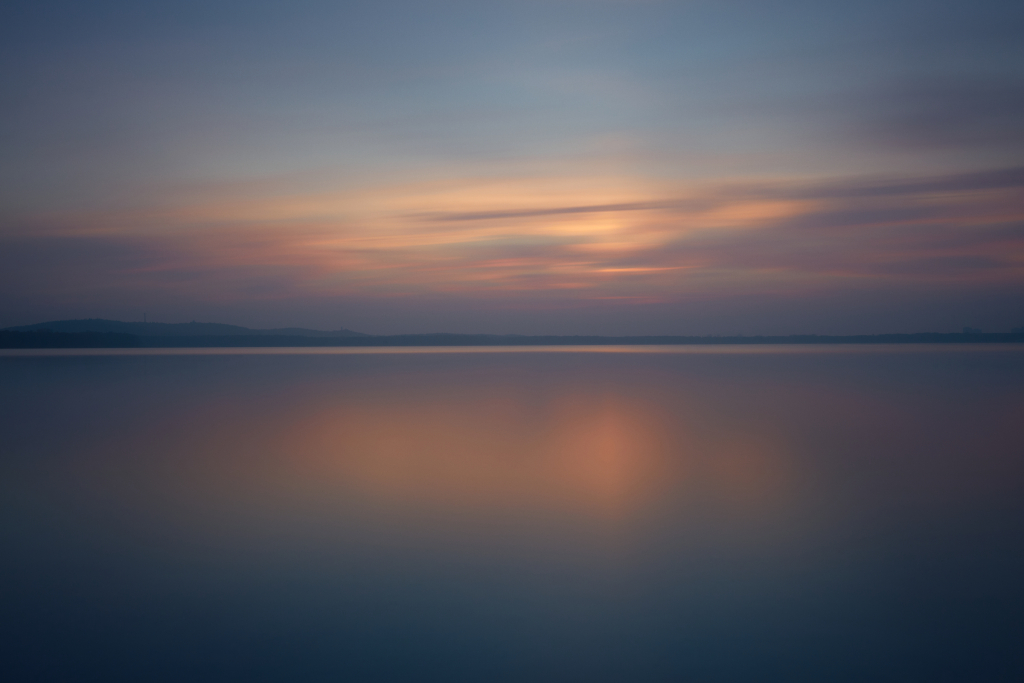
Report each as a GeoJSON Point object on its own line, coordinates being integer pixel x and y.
{"type": "Point", "coordinates": [533, 341]}
{"type": "Point", "coordinates": [535, 167]}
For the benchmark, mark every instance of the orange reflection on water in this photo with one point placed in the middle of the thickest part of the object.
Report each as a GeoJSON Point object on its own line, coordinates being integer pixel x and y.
{"type": "Point", "coordinates": [441, 446]}
{"type": "Point", "coordinates": [606, 455]}
{"type": "Point", "coordinates": [597, 454]}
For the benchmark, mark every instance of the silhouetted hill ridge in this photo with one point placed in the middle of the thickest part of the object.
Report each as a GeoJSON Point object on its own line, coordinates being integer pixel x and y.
{"type": "Point", "coordinates": [99, 333]}
{"type": "Point", "coordinates": [45, 338]}
{"type": "Point", "coordinates": [48, 339]}
{"type": "Point", "coordinates": [192, 329]}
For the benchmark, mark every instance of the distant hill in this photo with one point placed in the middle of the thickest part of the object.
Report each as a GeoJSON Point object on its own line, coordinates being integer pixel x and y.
{"type": "Point", "coordinates": [96, 333]}
{"type": "Point", "coordinates": [192, 329]}
{"type": "Point", "coordinates": [48, 338]}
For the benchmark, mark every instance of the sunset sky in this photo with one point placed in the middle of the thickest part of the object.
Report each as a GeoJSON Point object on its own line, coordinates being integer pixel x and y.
{"type": "Point", "coordinates": [535, 167]}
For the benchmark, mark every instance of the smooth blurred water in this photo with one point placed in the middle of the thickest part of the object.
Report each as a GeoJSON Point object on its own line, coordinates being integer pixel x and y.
{"type": "Point", "coordinates": [640, 514]}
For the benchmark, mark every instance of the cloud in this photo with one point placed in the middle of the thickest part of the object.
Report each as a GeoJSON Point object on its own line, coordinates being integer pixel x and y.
{"type": "Point", "coordinates": [992, 179]}
{"type": "Point", "coordinates": [946, 114]}
{"type": "Point", "coordinates": [770, 241]}
{"type": "Point", "coordinates": [732, 193]}
{"type": "Point", "coordinates": [548, 211]}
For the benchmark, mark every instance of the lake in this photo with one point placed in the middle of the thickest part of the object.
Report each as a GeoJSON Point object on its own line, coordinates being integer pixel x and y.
{"type": "Point", "coordinates": [706, 514]}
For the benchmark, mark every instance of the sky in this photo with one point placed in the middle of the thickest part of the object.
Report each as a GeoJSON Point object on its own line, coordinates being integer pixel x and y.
{"type": "Point", "coordinates": [534, 167]}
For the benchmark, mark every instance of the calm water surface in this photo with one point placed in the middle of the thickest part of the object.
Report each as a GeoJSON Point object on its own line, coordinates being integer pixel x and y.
{"type": "Point", "coordinates": [702, 514]}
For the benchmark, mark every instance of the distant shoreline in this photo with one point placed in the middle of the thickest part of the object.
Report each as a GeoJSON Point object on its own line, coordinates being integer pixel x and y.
{"type": "Point", "coordinates": [47, 339]}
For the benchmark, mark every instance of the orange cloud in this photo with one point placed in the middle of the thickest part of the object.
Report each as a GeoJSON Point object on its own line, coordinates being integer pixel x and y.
{"type": "Point", "coordinates": [604, 242]}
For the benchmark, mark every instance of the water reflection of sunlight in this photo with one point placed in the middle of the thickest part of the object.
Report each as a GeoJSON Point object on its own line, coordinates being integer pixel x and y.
{"type": "Point", "coordinates": [457, 448]}
{"type": "Point", "coordinates": [593, 454]}
{"type": "Point", "coordinates": [605, 455]}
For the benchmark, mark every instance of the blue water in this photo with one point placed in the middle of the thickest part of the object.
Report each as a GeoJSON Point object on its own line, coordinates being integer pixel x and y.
{"type": "Point", "coordinates": [706, 514]}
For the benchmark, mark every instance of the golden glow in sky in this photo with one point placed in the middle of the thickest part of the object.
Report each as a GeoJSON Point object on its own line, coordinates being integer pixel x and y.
{"type": "Point", "coordinates": [635, 168]}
